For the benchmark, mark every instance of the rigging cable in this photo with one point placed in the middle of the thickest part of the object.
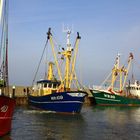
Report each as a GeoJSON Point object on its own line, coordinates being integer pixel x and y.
{"type": "Point", "coordinates": [40, 61]}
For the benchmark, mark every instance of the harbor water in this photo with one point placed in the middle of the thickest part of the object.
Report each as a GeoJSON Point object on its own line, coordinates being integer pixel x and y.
{"type": "Point", "coordinates": [94, 123]}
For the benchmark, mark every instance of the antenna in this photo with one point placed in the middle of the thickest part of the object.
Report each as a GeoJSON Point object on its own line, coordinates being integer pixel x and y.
{"type": "Point", "coordinates": [117, 63]}
{"type": "Point", "coordinates": [68, 30]}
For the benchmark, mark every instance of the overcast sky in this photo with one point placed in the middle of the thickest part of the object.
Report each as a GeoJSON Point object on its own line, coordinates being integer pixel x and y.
{"type": "Point", "coordinates": [107, 27]}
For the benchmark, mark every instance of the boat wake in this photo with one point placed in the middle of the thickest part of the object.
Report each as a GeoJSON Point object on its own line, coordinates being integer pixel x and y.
{"type": "Point", "coordinates": [38, 112]}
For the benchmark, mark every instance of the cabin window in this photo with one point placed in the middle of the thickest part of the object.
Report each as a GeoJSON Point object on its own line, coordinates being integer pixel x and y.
{"type": "Point", "coordinates": [50, 85]}
{"type": "Point", "coordinates": [54, 85]}
{"type": "Point", "coordinates": [45, 85]}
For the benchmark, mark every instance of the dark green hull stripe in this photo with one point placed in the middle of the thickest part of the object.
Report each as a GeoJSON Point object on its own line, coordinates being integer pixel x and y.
{"type": "Point", "coordinates": [104, 98]}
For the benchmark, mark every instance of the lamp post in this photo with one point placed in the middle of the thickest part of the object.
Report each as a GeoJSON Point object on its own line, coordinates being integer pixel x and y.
{"type": "Point", "coordinates": [13, 91]}
{"type": "Point", "coordinates": [0, 91]}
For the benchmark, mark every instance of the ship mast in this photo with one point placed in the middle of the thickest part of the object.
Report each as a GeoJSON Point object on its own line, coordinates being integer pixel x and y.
{"type": "Point", "coordinates": [4, 47]}
{"type": "Point", "coordinates": [50, 75]}
{"type": "Point", "coordinates": [54, 54]}
{"type": "Point", "coordinates": [67, 54]}
{"type": "Point", "coordinates": [128, 67]}
{"type": "Point", "coordinates": [72, 74]}
{"type": "Point", "coordinates": [70, 61]}
{"type": "Point", "coordinates": [115, 72]}
{"type": "Point", "coordinates": [69, 57]}
{"type": "Point", "coordinates": [122, 72]}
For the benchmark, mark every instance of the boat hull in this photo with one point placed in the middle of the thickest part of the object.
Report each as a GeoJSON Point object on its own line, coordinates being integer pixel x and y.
{"type": "Point", "coordinates": [7, 106]}
{"type": "Point", "coordinates": [65, 102]}
{"type": "Point", "coordinates": [105, 98]}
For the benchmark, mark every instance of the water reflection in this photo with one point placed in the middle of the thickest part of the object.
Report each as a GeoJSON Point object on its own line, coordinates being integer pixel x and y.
{"type": "Point", "coordinates": [120, 115]}
{"type": "Point", "coordinates": [94, 123]}
{"type": "Point", "coordinates": [6, 137]}
{"type": "Point", "coordinates": [118, 122]}
{"type": "Point", "coordinates": [46, 125]}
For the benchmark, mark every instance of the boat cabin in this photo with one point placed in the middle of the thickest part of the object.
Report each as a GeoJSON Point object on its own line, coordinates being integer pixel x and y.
{"type": "Point", "coordinates": [45, 87]}
{"type": "Point", "coordinates": [134, 88]}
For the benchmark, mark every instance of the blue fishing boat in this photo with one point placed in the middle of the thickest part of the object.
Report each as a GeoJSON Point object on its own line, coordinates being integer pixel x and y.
{"type": "Point", "coordinates": [61, 93]}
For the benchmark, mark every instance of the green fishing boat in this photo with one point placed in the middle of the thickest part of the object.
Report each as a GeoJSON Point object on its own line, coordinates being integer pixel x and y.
{"type": "Point", "coordinates": [115, 91]}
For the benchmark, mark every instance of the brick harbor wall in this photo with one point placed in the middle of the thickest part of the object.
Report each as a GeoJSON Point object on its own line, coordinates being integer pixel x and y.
{"type": "Point", "coordinates": [20, 91]}
{"type": "Point", "coordinates": [20, 94]}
